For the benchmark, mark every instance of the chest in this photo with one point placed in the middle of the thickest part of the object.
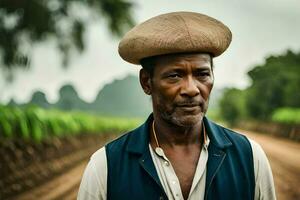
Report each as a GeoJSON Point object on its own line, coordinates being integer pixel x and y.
{"type": "Point", "coordinates": [185, 165]}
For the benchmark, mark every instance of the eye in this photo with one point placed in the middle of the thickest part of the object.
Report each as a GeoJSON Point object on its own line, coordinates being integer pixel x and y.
{"type": "Point", "coordinates": [173, 75]}
{"type": "Point", "coordinates": [203, 74]}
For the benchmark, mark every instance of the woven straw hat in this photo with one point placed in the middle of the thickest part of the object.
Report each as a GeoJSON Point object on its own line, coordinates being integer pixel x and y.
{"type": "Point", "coordinates": [176, 32]}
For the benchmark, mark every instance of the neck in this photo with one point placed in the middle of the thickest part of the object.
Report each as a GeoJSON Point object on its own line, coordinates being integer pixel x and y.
{"type": "Point", "coordinates": [172, 135]}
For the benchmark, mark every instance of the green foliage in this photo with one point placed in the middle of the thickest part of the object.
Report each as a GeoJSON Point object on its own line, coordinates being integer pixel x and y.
{"type": "Point", "coordinates": [232, 105]}
{"type": "Point", "coordinates": [213, 111]}
{"type": "Point", "coordinates": [36, 123]}
{"type": "Point", "coordinates": [69, 99]}
{"type": "Point", "coordinates": [39, 99]}
{"type": "Point", "coordinates": [275, 84]}
{"type": "Point", "coordinates": [287, 115]}
{"type": "Point", "coordinates": [213, 114]}
{"type": "Point", "coordinates": [6, 121]}
{"type": "Point", "coordinates": [23, 23]}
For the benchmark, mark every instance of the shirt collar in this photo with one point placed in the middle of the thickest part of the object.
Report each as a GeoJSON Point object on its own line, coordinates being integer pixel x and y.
{"type": "Point", "coordinates": [138, 139]}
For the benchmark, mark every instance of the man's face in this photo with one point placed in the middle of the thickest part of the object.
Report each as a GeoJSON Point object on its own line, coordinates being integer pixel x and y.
{"type": "Point", "coordinates": [180, 88]}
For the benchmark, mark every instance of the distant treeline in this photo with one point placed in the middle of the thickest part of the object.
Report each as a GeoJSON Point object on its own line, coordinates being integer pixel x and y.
{"type": "Point", "coordinates": [123, 98]}
{"type": "Point", "coordinates": [274, 93]}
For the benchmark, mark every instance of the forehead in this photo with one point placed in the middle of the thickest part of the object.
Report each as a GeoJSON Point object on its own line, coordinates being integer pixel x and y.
{"type": "Point", "coordinates": [195, 59]}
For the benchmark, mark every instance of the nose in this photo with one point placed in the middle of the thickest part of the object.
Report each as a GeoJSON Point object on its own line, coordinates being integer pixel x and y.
{"type": "Point", "coordinates": [189, 87]}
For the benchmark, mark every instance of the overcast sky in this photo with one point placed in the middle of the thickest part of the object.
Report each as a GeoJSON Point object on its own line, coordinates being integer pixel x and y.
{"type": "Point", "coordinates": [260, 28]}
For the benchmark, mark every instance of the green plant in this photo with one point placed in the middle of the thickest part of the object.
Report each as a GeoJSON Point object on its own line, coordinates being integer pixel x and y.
{"type": "Point", "coordinates": [37, 124]}
{"type": "Point", "coordinates": [287, 115]}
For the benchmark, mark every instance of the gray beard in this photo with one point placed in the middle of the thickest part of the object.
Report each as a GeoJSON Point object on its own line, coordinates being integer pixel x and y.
{"type": "Point", "coordinates": [172, 119]}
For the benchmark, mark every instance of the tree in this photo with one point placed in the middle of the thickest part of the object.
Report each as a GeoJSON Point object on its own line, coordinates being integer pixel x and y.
{"type": "Point", "coordinates": [232, 105]}
{"type": "Point", "coordinates": [69, 99]}
{"type": "Point", "coordinates": [39, 99]}
{"type": "Point", "coordinates": [274, 84]}
{"type": "Point", "coordinates": [25, 22]}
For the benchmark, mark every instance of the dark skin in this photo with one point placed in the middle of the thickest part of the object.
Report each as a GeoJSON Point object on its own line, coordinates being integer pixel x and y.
{"type": "Point", "coordinates": [180, 89]}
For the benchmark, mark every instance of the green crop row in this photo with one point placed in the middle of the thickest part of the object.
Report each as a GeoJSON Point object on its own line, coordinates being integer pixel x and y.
{"type": "Point", "coordinates": [287, 115]}
{"type": "Point", "coordinates": [37, 123]}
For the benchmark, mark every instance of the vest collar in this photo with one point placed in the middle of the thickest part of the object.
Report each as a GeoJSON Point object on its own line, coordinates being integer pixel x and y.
{"type": "Point", "coordinates": [216, 134]}
{"type": "Point", "coordinates": [139, 138]}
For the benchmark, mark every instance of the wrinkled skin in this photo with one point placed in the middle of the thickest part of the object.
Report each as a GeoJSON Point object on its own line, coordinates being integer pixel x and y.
{"type": "Point", "coordinates": [180, 88]}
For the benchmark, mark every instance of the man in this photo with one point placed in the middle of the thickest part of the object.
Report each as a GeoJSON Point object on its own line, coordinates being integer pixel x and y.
{"type": "Point", "coordinates": [178, 153]}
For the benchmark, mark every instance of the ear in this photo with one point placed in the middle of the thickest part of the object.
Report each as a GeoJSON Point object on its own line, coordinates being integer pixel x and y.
{"type": "Point", "coordinates": [145, 81]}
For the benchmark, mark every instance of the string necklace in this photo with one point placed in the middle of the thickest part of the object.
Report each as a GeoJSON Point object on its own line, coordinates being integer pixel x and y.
{"type": "Point", "coordinates": [156, 140]}
{"type": "Point", "coordinates": [154, 133]}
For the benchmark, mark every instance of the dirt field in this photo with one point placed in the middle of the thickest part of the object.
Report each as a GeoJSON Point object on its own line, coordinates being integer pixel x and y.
{"type": "Point", "coordinates": [284, 156]}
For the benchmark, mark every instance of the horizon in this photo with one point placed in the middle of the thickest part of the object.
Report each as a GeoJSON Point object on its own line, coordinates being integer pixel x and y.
{"type": "Point", "coordinates": [255, 37]}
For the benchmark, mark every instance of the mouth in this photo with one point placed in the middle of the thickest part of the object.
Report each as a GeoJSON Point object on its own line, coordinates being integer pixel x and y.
{"type": "Point", "coordinates": [192, 104]}
{"type": "Point", "coordinates": [191, 107]}
{"type": "Point", "coordinates": [188, 105]}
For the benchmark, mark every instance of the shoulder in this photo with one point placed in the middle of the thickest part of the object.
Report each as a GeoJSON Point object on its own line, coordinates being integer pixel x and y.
{"type": "Point", "coordinates": [118, 145]}
{"type": "Point", "coordinates": [133, 140]}
{"type": "Point", "coordinates": [264, 182]}
{"type": "Point", "coordinates": [237, 138]}
{"type": "Point", "coordinates": [236, 135]}
{"type": "Point", "coordinates": [119, 142]}
{"type": "Point", "coordinates": [258, 152]}
{"type": "Point", "coordinates": [260, 160]}
{"type": "Point", "coordinates": [93, 183]}
{"type": "Point", "coordinates": [98, 158]}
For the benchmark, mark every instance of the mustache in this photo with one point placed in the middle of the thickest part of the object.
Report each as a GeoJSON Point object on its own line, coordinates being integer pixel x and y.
{"type": "Point", "coordinates": [190, 103]}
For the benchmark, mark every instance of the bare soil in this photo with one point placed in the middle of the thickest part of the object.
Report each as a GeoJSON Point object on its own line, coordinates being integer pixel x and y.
{"type": "Point", "coordinates": [284, 157]}
{"type": "Point", "coordinates": [283, 154]}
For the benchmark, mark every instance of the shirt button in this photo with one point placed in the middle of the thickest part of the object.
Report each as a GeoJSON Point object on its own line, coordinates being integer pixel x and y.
{"type": "Point", "coordinates": [167, 163]}
{"type": "Point", "coordinates": [159, 151]}
{"type": "Point", "coordinates": [174, 182]}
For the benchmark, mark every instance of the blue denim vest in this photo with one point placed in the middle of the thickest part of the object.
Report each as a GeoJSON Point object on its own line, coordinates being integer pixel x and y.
{"type": "Point", "coordinates": [132, 174]}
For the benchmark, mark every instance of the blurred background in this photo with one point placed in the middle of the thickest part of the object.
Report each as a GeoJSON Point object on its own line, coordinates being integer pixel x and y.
{"type": "Point", "coordinates": [65, 92]}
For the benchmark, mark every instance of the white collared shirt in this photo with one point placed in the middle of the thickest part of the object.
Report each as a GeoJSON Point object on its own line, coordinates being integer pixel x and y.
{"type": "Point", "coordinates": [94, 181]}
{"type": "Point", "coordinates": [170, 181]}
